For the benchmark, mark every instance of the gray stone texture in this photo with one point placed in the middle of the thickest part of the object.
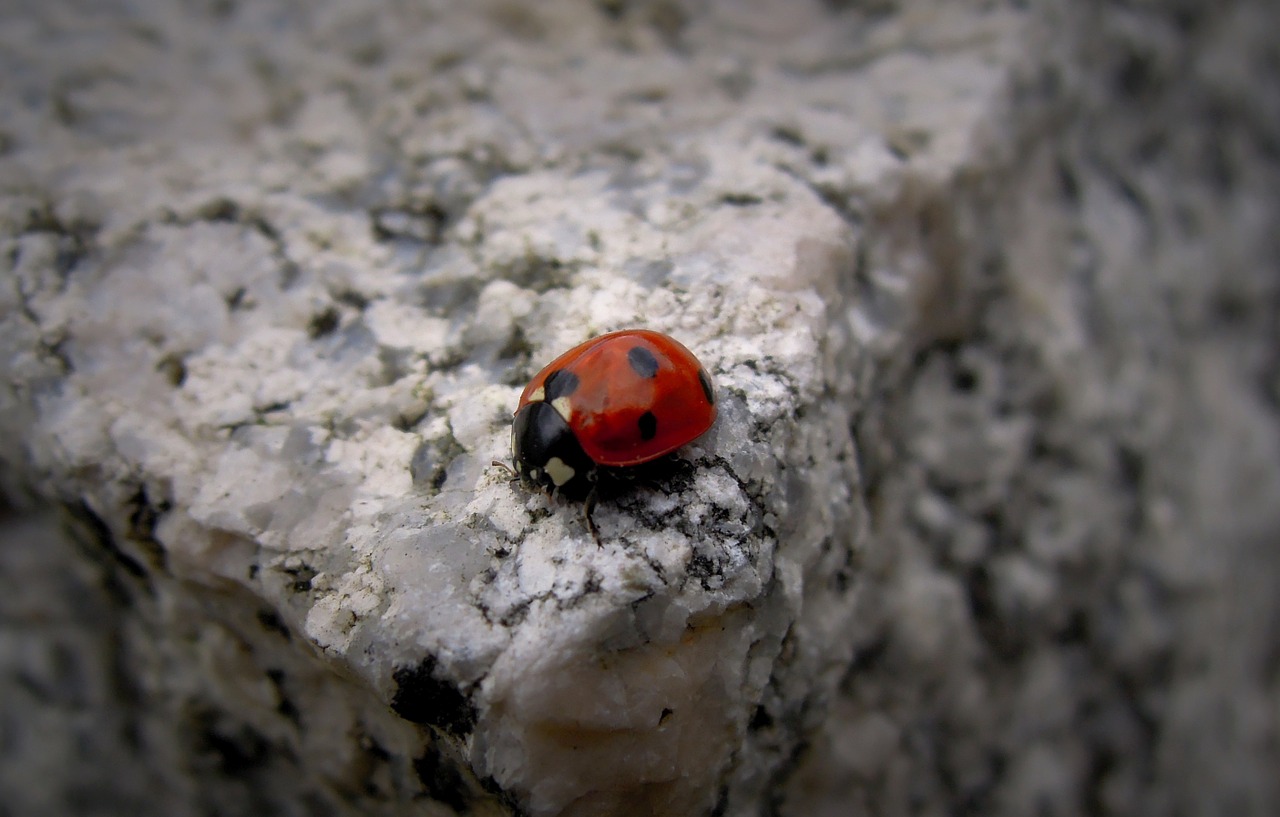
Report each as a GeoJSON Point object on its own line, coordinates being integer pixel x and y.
{"type": "Point", "coordinates": [989, 522]}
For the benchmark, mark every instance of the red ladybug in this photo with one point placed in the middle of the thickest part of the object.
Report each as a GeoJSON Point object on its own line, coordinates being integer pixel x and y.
{"type": "Point", "coordinates": [616, 401]}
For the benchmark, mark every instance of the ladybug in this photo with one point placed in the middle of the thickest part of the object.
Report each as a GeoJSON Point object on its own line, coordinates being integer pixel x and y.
{"type": "Point", "coordinates": [616, 401]}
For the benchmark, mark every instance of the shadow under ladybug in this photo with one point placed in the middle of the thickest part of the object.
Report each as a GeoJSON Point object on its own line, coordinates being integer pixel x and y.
{"type": "Point", "coordinates": [667, 475]}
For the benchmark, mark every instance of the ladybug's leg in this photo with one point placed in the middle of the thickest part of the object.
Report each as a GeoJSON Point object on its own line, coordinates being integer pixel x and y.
{"type": "Point", "coordinates": [511, 472]}
{"type": "Point", "coordinates": [587, 507]}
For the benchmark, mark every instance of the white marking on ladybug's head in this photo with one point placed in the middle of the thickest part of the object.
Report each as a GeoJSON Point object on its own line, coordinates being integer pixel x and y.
{"type": "Point", "coordinates": [562, 407]}
{"type": "Point", "coordinates": [558, 471]}
{"type": "Point", "coordinates": [534, 473]}
{"type": "Point", "coordinates": [538, 395]}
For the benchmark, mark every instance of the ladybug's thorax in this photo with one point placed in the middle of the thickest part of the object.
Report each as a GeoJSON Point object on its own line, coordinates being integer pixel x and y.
{"type": "Point", "coordinates": [547, 454]}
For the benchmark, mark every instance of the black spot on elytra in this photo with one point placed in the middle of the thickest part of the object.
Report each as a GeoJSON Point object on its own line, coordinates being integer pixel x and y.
{"type": "Point", "coordinates": [648, 425]}
{"type": "Point", "coordinates": [559, 383]}
{"type": "Point", "coordinates": [705, 380]}
{"type": "Point", "coordinates": [643, 362]}
{"type": "Point", "coordinates": [421, 697]}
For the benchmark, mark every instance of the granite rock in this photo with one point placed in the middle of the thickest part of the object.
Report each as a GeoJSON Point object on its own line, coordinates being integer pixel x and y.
{"type": "Point", "coordinates": [985, 523]}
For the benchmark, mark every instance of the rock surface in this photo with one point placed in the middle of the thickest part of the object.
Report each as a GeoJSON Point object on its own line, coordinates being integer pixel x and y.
{"type": "Point", "coordinates": [987, 523]}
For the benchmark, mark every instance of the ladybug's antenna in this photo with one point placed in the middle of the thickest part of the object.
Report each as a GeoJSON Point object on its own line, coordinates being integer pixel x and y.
{"type": "Point", "coordinates": [511, 472]}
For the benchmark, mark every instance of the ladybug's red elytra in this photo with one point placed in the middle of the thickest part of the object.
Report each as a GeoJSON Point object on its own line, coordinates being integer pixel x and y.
{"type": "Point", "coordinates": [616, 401]}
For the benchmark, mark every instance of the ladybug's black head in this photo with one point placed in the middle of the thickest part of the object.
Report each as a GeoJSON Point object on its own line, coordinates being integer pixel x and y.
{"type": "Point", "coordinates": [547, 455]}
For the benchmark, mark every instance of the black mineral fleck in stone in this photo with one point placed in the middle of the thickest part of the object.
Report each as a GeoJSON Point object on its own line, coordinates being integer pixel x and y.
{"type": "Point", "coordinates": [441, 780]}
{"type": "Point", "coordinates": [237, 749]}
{"type": "Point", "coordinates": [422, 698]}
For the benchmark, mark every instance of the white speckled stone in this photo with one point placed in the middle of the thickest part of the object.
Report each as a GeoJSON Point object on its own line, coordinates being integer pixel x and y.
{"type": "Point", "coordinates": [985, 522]}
